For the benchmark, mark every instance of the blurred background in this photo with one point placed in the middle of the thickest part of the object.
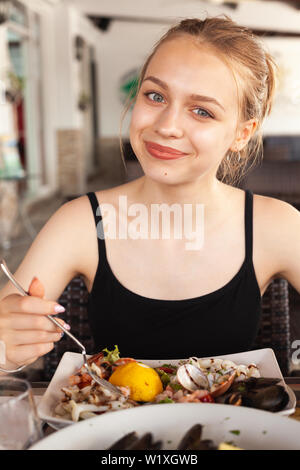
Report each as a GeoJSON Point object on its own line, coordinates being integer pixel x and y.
{"type": "Point", "coordinates": [66, 68]}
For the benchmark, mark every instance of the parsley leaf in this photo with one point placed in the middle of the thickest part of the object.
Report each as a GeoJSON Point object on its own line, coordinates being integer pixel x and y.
{"type": "Point", "coordinates": [112, 356]}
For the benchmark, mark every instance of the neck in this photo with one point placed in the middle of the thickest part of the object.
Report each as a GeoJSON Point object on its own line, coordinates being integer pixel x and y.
{"type": "Point", "coordinates": [208, 192]}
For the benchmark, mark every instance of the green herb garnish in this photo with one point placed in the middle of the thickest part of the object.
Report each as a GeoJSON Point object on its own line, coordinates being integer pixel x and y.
{"type": "Point", "coordinates": [166, 400]}
{"type": "Point", "coordinates": [176, 386]}
{"type": "Point", "coordinates": [236, 432]}
{"type": "Point", "coordinates": [165, 378]}
{"type": "Point", "coordinates": [112, 356]}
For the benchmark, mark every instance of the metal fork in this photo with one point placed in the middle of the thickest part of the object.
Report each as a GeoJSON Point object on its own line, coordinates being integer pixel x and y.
{"type": "Point", "coordinates": [99, 380]}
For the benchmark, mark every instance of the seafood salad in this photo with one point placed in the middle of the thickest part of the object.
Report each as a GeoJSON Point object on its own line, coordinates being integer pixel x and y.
{"type": "Point", "coordinates": [201, 379]}
{"type": "Point", "coordinates": [193, 380]}
{"type": "Point", "coordinates": [84, 398]}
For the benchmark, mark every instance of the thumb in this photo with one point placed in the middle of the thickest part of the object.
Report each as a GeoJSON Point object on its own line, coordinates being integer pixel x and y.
{"type": "Point", "coordinates": [36, 288]}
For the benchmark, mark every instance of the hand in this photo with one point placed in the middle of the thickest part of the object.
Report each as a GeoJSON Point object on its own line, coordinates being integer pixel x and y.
{"type": "Point", "coordinates": [24, 327]}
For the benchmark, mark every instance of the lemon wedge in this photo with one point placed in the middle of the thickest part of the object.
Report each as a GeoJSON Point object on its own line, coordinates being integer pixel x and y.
{"type": "Point", "coordinates": [143, 381]}
{"type": "Point", "coordinates": [225, 446]}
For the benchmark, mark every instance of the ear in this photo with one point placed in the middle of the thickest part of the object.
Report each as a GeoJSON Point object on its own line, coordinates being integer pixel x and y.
{"type": "Point", "coordinates": [245, 132]}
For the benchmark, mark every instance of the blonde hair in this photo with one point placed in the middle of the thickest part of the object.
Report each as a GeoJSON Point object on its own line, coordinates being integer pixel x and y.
{"type": "Point", "coordinates": [254, 71]}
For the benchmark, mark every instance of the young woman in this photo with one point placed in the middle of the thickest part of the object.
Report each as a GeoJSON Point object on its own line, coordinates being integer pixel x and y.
{"type": "Point", "coordinates": [203, 95]}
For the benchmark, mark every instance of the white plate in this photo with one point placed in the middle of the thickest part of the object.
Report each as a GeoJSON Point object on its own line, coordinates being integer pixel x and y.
{"type": "Point", "coordinates": [264, 358]}
{"type": "Point", "coordinates": [258, 429]}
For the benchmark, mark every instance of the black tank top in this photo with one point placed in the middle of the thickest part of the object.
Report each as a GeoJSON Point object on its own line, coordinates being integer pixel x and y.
{"type": "Point", "coordinates": [222, 322]}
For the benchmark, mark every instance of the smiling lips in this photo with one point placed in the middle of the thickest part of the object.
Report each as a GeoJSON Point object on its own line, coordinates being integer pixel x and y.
{"type": "Point", "coordinates": [162, 152]}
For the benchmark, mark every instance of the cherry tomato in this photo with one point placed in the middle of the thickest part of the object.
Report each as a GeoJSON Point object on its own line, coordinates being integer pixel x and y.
{"type": "Point", "coordinates": [168, 370]}
{"type": "Point", "coordinates": [207, 399]}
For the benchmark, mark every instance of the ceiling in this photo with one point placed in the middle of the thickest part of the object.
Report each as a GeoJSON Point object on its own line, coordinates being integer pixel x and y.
{"type": "Point", "coordinates": [273, 16]}
{"type": "Point", "coordinates": [234, 3]}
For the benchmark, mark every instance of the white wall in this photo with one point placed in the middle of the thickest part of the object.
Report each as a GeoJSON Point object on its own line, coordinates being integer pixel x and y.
{"type": "Point", "coordinates": [6, 117]}
{"type": "Point", "coordinates": [285, 116]}
{"type": "Point", "coordinates": [69, 22]}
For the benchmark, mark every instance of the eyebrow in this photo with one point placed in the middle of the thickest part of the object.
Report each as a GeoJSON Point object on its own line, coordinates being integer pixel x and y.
{"type": "Point", "coordinates": [195, 97]}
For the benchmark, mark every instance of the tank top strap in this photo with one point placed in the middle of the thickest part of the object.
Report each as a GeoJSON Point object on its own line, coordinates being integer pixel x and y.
{"type": "Point", "coordinates": [99, 226]}
{"type": "Point", "coordinates": [249, 224]}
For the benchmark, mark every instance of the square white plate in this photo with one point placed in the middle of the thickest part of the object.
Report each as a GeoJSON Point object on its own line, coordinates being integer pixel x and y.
{"type": "Point", "coordinates": [264, 358]}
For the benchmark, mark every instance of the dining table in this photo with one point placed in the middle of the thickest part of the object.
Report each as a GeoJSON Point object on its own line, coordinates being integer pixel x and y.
{"type": "Point", "coordinates": [39, 389]}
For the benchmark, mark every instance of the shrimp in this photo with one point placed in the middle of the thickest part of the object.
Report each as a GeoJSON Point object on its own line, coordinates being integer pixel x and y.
{"type": "Point", "coordinates": [96, 359]}
{"type": "Point", "coordinates": [194, 397]}
{"type": "Point", "coordinates": [74, 379]}
{"type": "Point", "coordinates": [124, 360]}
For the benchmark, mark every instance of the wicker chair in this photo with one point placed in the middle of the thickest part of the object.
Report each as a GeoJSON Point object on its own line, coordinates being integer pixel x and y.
{"type": "Point", "coordinates": [274, 330]}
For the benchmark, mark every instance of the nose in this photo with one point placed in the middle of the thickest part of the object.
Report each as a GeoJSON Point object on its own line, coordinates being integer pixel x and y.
{"type": "Point", "coordinates": [168, 124]}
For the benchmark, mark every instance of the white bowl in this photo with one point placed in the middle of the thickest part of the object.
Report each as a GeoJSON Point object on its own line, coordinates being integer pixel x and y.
{"type": "Point", "coordinates": [252, 429]}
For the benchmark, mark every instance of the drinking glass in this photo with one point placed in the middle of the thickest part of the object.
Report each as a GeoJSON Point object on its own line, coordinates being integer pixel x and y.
{"type": "Point", "coordinates": [20, 425]}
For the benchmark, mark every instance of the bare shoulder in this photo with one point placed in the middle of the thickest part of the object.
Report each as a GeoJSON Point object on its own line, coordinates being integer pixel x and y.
{"type": "Point", "coordinates": [277, 231]}
{"type": "Point", "coordinates": [274, 213]}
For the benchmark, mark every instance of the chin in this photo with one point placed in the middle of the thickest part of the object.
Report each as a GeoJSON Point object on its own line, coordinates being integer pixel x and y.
{"type": "Point", "coordinates": [165, 175]}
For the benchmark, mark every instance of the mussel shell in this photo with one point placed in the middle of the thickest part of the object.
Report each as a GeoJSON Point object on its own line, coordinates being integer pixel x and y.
{"type": "Point", "coordinates": [144, 442]}
{"type": "Point", "coordinates": [124, 442]}
{"type": "Point", "coordinates": [273, 398]}
{"type": "Point", "coordinates": [261, 382]}
{"type": "Point", "coordinates": [192, 378]}
{"type": "Point", "coordinates": [191, 438]}
{"type": "Point", "coordinates": [253, 383]}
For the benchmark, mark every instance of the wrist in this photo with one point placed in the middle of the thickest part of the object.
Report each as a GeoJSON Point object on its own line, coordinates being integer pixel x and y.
{"type": "Point", "coordinates": [7, 367]}
{"type": "Point", "coordinates": [10, 368]}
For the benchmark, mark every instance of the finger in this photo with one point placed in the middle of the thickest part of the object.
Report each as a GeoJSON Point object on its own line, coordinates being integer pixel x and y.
{"type": "Point", "coordinates": [26, 354]}
{"type": "Point", "coordinates": [19, 321]}
{"type": "Point", "coordinates": [36, 288]}
{"type": "Point", "coordinates": [14, 338]}
{"type": "Point", "coordinates": [16, 303]}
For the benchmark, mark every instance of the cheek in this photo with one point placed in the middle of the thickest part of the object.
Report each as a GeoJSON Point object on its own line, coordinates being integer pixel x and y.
{"type": "Point", "coordinates": [141, 118]}
{"type": "Point", "coordinates": [204, 139]}
{"type": "Point", "coordinates": [212, 139]}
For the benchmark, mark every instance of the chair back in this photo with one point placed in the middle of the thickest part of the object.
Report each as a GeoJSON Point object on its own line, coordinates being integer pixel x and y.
{"type": "Point", "coordinates": [274, 330]}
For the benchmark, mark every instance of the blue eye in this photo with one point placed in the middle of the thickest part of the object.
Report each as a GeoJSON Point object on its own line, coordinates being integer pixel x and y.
{"type": "Point", "coordinates": [159, 100]}
{"type": "Point", "coordinates": [203, 111]}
